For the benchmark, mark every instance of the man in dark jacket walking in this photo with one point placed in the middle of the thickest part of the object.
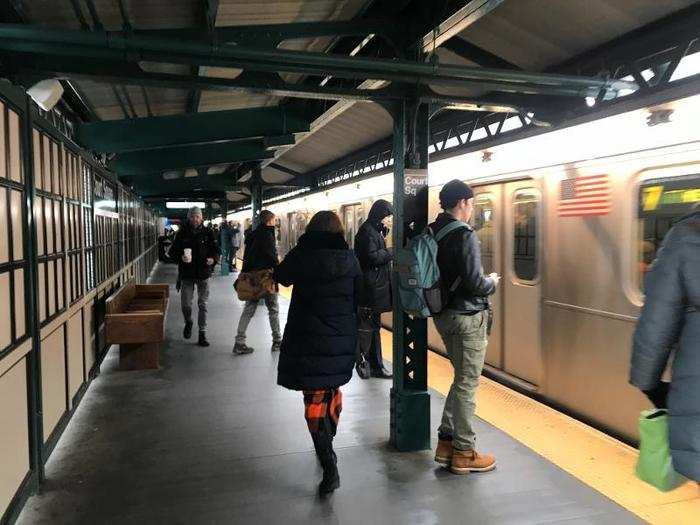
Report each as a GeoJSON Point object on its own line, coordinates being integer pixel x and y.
{"type": "Point", "coordinates": [197, 251]}
{"type": "Point", "coordinates": [260, 254]}
{"type": "Point", "coordinates": [463, 328]}
{"type": "Point", "coordinates": [375, 297]}
{"type": "Point", "coordinates": [671, 317]}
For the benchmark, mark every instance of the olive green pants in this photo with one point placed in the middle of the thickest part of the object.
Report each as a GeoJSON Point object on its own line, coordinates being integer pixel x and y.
{"type": "Point", "coordinates": [465, 340]}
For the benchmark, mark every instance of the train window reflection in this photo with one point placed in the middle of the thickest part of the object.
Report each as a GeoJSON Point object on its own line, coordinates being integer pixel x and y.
{"type": "Point", "coordinates": [661, 202]}
{"type": "Point", "coordinates": [525, 241]}
{"type": "Point", "coordinates": [485, 229]}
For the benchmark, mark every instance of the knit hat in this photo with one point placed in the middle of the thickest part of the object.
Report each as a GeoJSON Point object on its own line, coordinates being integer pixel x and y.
{"type": "Point", "coordinates": [453, 192]}
{"type": "Point", "coordinates": [194, 210]}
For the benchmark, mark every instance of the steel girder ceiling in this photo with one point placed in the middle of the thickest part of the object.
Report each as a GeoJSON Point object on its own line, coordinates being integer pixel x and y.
{"type": "Point", "coordinates": [119, 136]}
{"type": "Point", "coordinates": [657, 47]}
{"type": "Point", "coordinates": [257, 45]}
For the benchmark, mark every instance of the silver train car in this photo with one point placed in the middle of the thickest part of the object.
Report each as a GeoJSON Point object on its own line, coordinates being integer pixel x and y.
{"type": "Point", "coordinates": [572, 236]}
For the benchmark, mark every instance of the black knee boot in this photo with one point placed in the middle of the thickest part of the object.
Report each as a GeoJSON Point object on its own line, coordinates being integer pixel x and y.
{"type": "Point", "coordinates": [323, 443]}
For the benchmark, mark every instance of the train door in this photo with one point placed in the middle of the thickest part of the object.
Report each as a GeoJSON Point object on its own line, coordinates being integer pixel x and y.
{"type": "Point", "coordinates": [520, 287]}
{"type": "Point", "coordinates": [487, 222]}
{"type": "Point", "coordinates": [353, 217]}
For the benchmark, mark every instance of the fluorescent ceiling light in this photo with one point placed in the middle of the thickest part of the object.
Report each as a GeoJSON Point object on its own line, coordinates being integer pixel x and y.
{"type": "Point", "coordinates": [175, 205]}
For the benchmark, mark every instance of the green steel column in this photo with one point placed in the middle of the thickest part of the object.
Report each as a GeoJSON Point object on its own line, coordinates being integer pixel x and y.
{"type": "Point", "coordinates": [410, 400]}
{"type": "Point", "coordinates": [256, 194]}
{"type": "Point", "coordinates": [36, 426]}
{"type": "Point", "coordinates": [225, 246]}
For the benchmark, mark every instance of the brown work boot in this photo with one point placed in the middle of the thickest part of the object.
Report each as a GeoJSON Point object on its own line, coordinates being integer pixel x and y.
{"type": "Point", "coordinates": [466, 461]}
{"type": "Point", "coordinates": [443, 452]}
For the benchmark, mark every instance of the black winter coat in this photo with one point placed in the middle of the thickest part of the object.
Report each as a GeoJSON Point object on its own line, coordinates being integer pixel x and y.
{"type": "Point", "coordinates": [459, 255]}
{"type": "Point", "coordinates": [260, 249]}
{"type": "Point", "coordinates": [375, 261]}
{"type": "Point", "coordinates": [671, 316]}
{"type": "Point", "coordinates": [318, 346]}
{"type": "Point", "coordinates": [203, 244]}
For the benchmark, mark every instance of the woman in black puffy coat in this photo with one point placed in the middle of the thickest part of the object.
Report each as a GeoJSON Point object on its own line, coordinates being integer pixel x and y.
{"type": "Point", "coordinates": [375, 297]}
{"type": "Point", "coordinates": [318, 346]}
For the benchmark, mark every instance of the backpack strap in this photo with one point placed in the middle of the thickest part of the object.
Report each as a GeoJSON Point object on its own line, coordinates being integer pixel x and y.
{"type": "Point", "coordinates": [445, 230]}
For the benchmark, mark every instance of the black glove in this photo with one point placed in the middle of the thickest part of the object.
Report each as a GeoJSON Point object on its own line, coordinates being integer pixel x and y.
{"type": "Point", "coordinates": [658, 394]}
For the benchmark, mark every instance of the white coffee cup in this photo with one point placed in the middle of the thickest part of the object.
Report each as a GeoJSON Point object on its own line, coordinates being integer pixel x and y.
{"type": "Point", "coordinates": [187, 256]}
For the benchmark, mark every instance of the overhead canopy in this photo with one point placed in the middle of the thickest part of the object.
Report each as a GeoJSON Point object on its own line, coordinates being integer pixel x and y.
{"type": "Point", "coordinates": [189, 97]}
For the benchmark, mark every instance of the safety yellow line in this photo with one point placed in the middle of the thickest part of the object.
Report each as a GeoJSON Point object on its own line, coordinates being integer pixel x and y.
{"type": "Point", "coordinates": [598, 460]}
{"type": "Point", "coordinates": [593, 457]}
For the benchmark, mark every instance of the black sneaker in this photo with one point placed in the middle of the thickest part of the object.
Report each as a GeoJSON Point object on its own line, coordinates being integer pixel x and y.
{"type": "Point", "coordinates": [203, 339]}
{"type": "Point", "coordinates": [381, 373]}
{"type": "Point", "coordinates": [242, 348]}
{"type": "Point", "coordinates": [187, 332]}
{"type": "Point", "coordinates": [362, 367]}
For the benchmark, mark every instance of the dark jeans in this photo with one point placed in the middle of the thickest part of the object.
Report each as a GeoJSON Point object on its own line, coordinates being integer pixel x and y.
{"type": "Point", "coordinates": [369, 336]}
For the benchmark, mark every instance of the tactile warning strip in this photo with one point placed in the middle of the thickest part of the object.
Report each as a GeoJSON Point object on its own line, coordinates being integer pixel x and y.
{"type": "Point", "coordinates": [595, 458]}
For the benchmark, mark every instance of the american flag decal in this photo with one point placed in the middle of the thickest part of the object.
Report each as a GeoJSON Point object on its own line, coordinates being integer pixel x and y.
{"type": "Point", "coordinates": [589, 195]}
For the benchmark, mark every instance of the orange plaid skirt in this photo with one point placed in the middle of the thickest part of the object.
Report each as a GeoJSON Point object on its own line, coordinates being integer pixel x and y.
{"type": "Point", "coordinates": [322, 409]}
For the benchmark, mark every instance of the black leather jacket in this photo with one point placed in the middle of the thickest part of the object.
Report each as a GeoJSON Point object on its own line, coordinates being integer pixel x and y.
{"type": "Point", "coordinates": [203, 244]}
{"type": "Point", "coordinates": [260, 249]}
{"type": "Point", "coordinates": [459, 255]}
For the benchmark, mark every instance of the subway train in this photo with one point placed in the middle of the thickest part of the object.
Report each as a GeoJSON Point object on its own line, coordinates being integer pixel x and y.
{"type": "Point", "coordinates": [571, 219]}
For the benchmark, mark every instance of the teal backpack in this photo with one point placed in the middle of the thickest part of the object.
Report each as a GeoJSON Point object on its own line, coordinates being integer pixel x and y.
{"type": "Point", "coordinates": [421, 292]}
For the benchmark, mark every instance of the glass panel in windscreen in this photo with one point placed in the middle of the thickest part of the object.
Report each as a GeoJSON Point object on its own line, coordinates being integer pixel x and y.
{"type": "Point", "coordinates": [525, 217]}
{"type": "Point", "coordinates": [484, 227]}
{"type": "Point", "coordinates": [660, 203]}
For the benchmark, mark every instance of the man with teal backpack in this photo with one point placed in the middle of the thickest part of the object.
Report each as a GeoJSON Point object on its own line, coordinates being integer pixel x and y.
{"type": "Point", "coordinates": [440, 274]}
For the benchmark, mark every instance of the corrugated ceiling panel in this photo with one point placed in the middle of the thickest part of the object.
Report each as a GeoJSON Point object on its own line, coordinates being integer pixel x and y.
{"type": "Point", "coordinates": [535, 34]}
{"type": "Point", "coordinates": [361, 125]}
{"type": "Point", "coordinates": [151, 14]}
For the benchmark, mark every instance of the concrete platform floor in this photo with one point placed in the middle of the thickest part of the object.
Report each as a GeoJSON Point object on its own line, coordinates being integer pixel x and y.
{"type": "Point", "coordinates": [210, 438]}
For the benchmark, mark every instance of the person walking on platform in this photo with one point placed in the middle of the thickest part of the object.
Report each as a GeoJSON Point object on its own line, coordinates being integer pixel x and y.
{"type": "Point", "coordinates": [670, 319]}
{"type": "Point", "coordinates": [235, 244]}
{"type": "Point", "coordinates": [375, 261]}
{"type": "Point", "coordinates": [197, 252]}
{"type": "Point", "coordinates": [318, 347]}
{"type": "Point", "coordinates": [463, 326]}
{"type": "Point", "coordinates": [260, 254]}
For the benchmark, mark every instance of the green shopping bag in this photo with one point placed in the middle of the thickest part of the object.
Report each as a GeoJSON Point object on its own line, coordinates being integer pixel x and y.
{"type": "Point", "coordinates": [654, 464]}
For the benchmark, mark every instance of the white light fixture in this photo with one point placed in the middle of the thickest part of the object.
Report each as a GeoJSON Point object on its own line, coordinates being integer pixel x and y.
{"type": "Point", "coordinates": [183, 205]}
{"type": "Point", "coordinates": [46, 93]}
{"type": "Point", "coordinates": [590, 101]}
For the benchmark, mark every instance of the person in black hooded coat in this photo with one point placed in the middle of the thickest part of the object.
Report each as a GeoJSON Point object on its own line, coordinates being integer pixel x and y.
{"type": "Point", "coordinates": [319, 341]}
{"type": "Point", "coordinates": [375, 261]}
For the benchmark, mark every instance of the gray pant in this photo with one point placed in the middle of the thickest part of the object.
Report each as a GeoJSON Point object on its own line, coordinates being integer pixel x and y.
{"type": "Point", "coordinates": [273, 312]}
{"type": "Point", "coordinates": [186, 296]}
{"type": "Point", "coordinates": [465, 340]}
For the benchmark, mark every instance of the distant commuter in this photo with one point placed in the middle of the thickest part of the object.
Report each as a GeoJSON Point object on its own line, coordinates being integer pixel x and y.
{"type": "Point", "coordinates": [235, 244]}
{"type": "Point", "coordinates": [463, 326]}
{"type": "Point", "coordinates": [260, 254]}
{"type": "Point", "coordinates": [375, 261]}
{"type": "Point", "coordinates": [318, 348]}
{"type": "Point", "coordinates": [196, 249]}
{"type": "Point", "coordinates": [671, 319]}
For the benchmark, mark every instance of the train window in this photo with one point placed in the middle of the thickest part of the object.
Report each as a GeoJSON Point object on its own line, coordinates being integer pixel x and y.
{"type": "Point", "coordinates": [525, 233]}
{"type": "Point", "coordinates": [484, 227]}
{"type": "Point", "coordinates": [660, 203]}
{"type": "Point", "coordinates": [352, 217]}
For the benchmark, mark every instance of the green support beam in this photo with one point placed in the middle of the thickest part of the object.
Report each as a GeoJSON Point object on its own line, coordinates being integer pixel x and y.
{"type": "Point", "coordinates": [119, 136]}
{"type": "Point", "coordinates": [155, 161]}
{"type": "Point", "coordinates": [79, 45]}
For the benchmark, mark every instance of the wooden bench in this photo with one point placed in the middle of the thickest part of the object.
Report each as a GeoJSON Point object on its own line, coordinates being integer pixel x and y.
{"type": "Point", "coordinates": [135, 320]}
